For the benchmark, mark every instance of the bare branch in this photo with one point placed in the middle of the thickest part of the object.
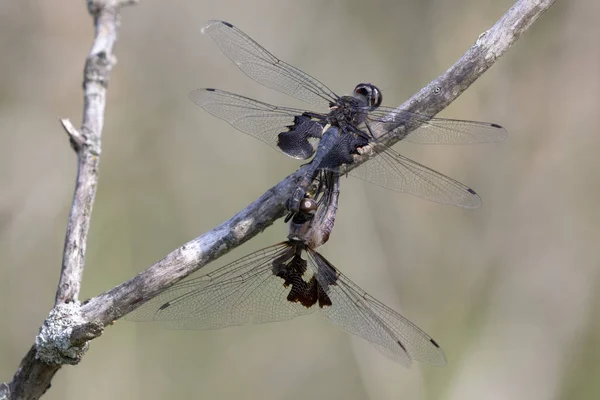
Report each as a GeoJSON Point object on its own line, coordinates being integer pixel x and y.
{"type": "Point", "coordinates": [433, 98]}
{"type": "Point", "coordinates": [489, 46]}
{"type": "Point", "coordinates": [98, 65]}
{"type": "Point", "coordinates": [34, 375]}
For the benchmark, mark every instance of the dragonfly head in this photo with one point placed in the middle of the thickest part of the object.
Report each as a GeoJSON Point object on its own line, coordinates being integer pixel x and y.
{"type": "Point", "coordinates": [369, 94]}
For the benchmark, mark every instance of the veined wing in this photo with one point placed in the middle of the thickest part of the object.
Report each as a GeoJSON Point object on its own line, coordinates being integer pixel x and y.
{"type": "Point", "coordinates": [245, 291]}
{"type": "Point", "coordinates": [392, 170]}
{"type": "Point", "coordinates": [289, 130]}
{"type": "Point", "coordinates": [266, 69]}
{"type": "Point", "coordinates": [362, 315]}
{"type": "Point", "coordinates": [430, 130]}
{"type": "Point", "coordinates": [276, 284]}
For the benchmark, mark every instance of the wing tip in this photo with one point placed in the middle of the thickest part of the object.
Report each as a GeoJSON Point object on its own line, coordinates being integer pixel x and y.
{"type": "Point", "coordinates": [441, 362]}
{"type": "Point", "coordinates": [503, 133]}
{"type": "Point", "coordinates": [212, 23]}
{"type": "Point", "coordinates": [196, 95]}
{"type": "Point", "coordinates": [473, 201]}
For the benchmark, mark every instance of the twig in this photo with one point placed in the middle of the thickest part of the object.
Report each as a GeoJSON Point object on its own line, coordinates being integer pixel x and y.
{"type": "Point", "coordinates": [98, 66]}
{"type": "Point", "coordinates": [34, 376]}
{"type": "Point", "coordinates": [75, 137]}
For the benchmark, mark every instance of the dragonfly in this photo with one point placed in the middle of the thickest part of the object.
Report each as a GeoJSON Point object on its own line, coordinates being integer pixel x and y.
{"type": "Point", "coordinates": [290, 279]}
{"type": "Point", "coordinates": [364, 125]}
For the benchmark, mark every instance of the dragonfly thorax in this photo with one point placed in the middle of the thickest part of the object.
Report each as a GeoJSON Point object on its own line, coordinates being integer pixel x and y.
{"type": "Point", "coordinates": [349, 110]}
{"type": "Point", "coordinates": [353, 110]}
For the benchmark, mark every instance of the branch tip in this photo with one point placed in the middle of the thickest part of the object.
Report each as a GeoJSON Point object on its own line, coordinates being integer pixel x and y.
{"type": "Point", "coordinates": [75, 137]}
{"type": "Point", "coordinates": [96, 6]}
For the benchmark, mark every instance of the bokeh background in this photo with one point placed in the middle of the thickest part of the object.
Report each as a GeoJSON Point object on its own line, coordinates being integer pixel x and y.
{"type": "Point", "coordinates": [510, 290]}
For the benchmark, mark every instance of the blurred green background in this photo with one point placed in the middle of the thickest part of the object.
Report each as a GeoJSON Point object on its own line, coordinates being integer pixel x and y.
{"type": "Point", "coordinates": [510, 290]}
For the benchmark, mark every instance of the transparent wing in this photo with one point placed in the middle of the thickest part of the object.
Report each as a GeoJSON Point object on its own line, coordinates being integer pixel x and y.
{"type": "Point", "coordinates": [265, 68]}
{"type": "Point", "coordinates": [362, 315]}
{"type": "Point", "coordinates": [271, 124]}
{"type": "Point", "coordinates": [392, 170]}
{"type": "Point", "coordinates": [245, 291]}
{"type": "Point", "coordinates": [430, 130]}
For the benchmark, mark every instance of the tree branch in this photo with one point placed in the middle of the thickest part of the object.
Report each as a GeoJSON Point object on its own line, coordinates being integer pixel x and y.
{"type": "Point", "coordinates": [98, 65]}
{"type": "Point", "coordinates": [34, 375]}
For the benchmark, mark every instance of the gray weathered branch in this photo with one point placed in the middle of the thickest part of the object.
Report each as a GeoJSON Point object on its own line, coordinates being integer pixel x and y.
{"type": "Point", "coordinates": [34, 375]}
{"type": "Point", "coordinates": [86, 142]}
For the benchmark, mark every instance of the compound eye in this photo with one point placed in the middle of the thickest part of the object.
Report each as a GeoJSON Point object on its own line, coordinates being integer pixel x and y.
{"type": "Point", "coordinates": [308, 206]}
{"type": "Point", "coordinates": [370, 93]}
{"type": "Point", "coordinates": [376, 97]}
{"type": "Point", "coordinates": [363, 90]}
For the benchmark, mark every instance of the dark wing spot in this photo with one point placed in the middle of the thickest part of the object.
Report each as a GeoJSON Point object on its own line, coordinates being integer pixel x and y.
{"type": "Point", "coordinates": [324, 300]}
{"type": "Point", "coordinates": [166, 305]}
{"type": "Point", "coordinates": [291, 270]}
{"type": "Point", "coordinates": [227, 24]}
{"type": "Point", "coordinates": [210, 90]}
{"type": "Point", "coordinates": [305, 293]}
{"type": "Point", "coordinates": [496, 126]}
{"type": "Point", "coordinates": [471, 191]}
{"type": "Point", "coordinates": [401, 345]}
{"type": "Point", "coordinates": [295, 142]}
{"type": "Point", "coordinates": [434, 343]}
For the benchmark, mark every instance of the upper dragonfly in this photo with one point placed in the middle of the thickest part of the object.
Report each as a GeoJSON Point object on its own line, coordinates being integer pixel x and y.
{"type": "Point", "coordinates": [290, 279]}
{"type": "Point", "coordinates": [364, 125]}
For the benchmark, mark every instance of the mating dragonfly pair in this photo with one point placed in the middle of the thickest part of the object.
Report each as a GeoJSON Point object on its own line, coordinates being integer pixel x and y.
{"type": "Point", "coordinates": [291, 278]}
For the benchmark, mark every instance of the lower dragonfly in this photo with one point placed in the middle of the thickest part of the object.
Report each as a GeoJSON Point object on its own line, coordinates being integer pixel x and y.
{"type": "Point", "coordinates": [290, 279]}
